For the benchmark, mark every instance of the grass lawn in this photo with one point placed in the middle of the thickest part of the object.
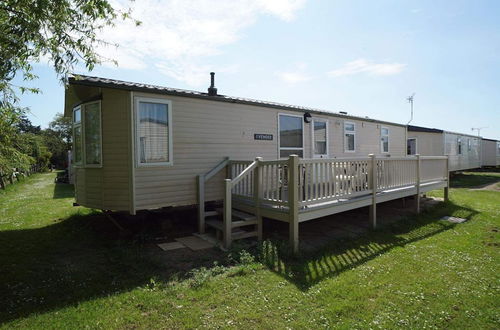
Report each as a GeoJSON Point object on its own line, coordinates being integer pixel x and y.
{"type": "Point", "coordinates": [59, 270]}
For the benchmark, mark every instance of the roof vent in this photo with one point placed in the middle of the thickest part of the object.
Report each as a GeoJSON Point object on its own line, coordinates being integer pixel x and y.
{"type": "Point", "coordinates": [343, 113]}
{"type": "Point", "coordinates": [212, 91]}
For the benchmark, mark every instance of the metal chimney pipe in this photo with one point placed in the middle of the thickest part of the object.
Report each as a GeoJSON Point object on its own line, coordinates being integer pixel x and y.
{"type": "Point", "coordinates": [212, 91]}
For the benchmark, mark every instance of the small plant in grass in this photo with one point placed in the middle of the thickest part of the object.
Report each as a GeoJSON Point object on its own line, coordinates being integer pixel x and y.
{"type": "Point", "coordinates": [199, 276]}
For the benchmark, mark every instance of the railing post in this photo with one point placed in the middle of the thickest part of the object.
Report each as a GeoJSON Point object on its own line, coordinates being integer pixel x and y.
{"type": "Point", "coordinates": [373, 185]}
{"type": "Point", "coordinates": [418, 184]}
{"type": "Point", "coordinates": [293, 201]}
{"type": "Point", "coordinates": [257, 195]}
{"type": "Point", "coordinates": [201, 204]}
{"type": "Point", "coordinates": [227, 220]}
{"type": "Point", "coordinates": [447, 176]}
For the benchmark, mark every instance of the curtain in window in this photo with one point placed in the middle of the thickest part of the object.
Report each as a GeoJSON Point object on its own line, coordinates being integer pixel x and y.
{"type": "Point", "coordinates": [77, 144]}
{"type": "Point", "coordinates": [349, 139]}
{"type": "Point", "coordinates": [320, 138]}
{"type": "Point", "coordinates": [92, 125]}
{"type": "Point", "coordinates": [153, 132]}
{"type": "Point", "coordinates": [290, 132]}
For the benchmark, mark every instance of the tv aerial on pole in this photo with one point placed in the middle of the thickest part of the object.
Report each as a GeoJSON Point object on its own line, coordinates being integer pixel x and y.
{"type": "Point", "coordinates": [478, 129]}
{"type": "Point", "coordinates": [410, 100]}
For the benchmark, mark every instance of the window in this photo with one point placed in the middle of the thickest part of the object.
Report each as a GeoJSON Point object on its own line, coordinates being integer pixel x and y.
{"type": "Point", "coordinates": [153, 131]}
{"type": "Point", "coordinates": [92, 133]}
{"type": "Point", "coordinates": [349, 137]}
{"type": "Point", "coordinates": [291, 136]}
{"type": "Point", "coordinates": [87, 134]}
{"type": "Point", "coordinates": [384, 139]}
{"type": "Point", "coordinates": [469, 145]}
{"type": "Point", "coordinates": [320, 137]}
{"type": "Point", "coordinates": [459, 146]}
{"type": "Point", "coordinates": [411, 146]}
{"type": "Point", "coordinates": [77, 135]}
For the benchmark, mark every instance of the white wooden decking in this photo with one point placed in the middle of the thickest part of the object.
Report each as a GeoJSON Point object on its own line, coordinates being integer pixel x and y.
{"type": "Point", "coordinates": [297, 190]}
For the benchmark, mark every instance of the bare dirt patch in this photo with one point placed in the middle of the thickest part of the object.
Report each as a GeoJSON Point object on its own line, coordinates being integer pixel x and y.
{"type": "Point", "coordinates": [492, 187]}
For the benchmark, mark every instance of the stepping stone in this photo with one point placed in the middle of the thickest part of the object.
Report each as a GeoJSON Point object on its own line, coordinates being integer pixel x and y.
{"type": "Point", "coordinates": [195, 243]}
{"type": "Point", "coordinates": [453, 219]}
{"type": "Point", "coordinates": [171, 246]}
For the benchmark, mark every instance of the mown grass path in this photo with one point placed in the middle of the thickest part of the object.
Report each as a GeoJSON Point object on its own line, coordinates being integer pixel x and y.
{"type": "Point", "coordinates": [58, 271]}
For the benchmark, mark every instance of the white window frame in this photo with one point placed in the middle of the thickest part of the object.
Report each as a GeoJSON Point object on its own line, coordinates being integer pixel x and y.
{"type": "Point", "coordinates": [460, 148]}
{"type": "Point", "coordinates": [138, 162]}
{"type": "Point", "coordinates": [279, 135]}
{"type": "Point", "coordinates": [416, 146]}
{"type": "Point", "coordinates": [349, 132]}
{"type": "Point", "coordinates": [75, 125]}
{"type": "Point", "coordinates": [313, 142]}
{"type": "Point", "coordinates": [84, 158]}
{"type": "Point", "coordinates": [382, 142]}
{"type": "Point", "coordinates": [81, 124]}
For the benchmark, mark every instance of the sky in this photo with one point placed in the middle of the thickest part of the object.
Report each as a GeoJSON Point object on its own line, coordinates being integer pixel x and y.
{"type": "Point", "coordinates": [362, 57]}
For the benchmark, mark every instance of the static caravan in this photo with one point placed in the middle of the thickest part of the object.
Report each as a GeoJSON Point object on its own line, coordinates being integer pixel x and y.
{"type": "Point", "coordinates": [490, 152]}
{"type": "Point", "coordinates": [139, 147]}
{"type": "Point", "coordinates": [463, 150]}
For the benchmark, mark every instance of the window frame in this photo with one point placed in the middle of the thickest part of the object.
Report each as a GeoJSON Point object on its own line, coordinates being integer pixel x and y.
{"type": "Point", "coordinates": [349, 132]}
{"type": "Point", "coordinates": [73, 129]}
{"type": "Point", "coordinates": [137, 100]}
{"type": "Point", "coordinates": [382, 142]}
{"type": "Point", "coordinates": [84, 158]}
{"type": "Point", "coordinates": [279, 135]}
{"type": "Point", "coordinates": [416, 146]}
{"type": "Point", "coordinates": [313, 141]}
{"type": "Point", "coordinates": [459, 146]}
{"type": "Point", "coordinates": [81, 124]}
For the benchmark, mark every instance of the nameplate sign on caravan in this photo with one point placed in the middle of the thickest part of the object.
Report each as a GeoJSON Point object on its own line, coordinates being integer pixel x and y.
{"type": "Point", "coordinates": [265, 137]}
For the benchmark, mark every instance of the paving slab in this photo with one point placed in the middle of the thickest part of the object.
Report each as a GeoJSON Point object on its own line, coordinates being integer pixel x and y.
{"type": "Point", "coordinates": [171, 246]}
{"type": "Point", "coordinates": [453, 219]}
{"type": "Point", "coordinates": [195, 243]}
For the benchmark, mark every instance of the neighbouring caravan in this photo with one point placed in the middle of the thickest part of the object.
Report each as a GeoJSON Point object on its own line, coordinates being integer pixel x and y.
{"type": "Point", "coordinates": [490, 152]}
{"type": "Point", "coordinates": [139, 146]}
{"type": "Point", "coordinates": [463, 150]}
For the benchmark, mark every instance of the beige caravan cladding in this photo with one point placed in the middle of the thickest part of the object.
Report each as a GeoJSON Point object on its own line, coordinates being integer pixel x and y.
{"type": "Point", "coordinates": [428, 144]}
{"type": "Point", "coordinates": [205, 131]}
{"type": "Point", "coordinates": [490, 152]}
{"type": "Point", "coordinates": [464, 151]}
{"type": "Point", "coordinates": [108, 187]}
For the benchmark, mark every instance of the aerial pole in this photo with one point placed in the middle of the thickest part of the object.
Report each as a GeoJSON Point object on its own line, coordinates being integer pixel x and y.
{"type": "Point", "coordinates": [478, 129]}
{"type": "Point", "coordinates": [410, 100]}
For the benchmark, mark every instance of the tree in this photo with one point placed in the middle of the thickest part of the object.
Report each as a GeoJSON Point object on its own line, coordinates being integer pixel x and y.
{"type": "Point", "coordinates": [57, 138]}
{"type": "Point", "coordinates": [63, 31]}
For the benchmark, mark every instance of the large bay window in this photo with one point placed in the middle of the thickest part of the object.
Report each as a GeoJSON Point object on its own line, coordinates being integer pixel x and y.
{"type": "Point", "coordinates": [153, 118]}
{"type": "Point", "coordinates": [349, 137]}
{"type": "Point", "coordinates": [87, 144]}
{"type": "Point", "coordinates": [291, 134]}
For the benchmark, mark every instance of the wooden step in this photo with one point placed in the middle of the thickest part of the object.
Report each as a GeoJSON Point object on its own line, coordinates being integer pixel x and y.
{"type": "Point", "coordinates": [219, 225]}
{"type": "Point", "coordinates": [238, 214]}
{"type": "Point", "coordinates": [244, 234]}
{"type": "Point", "coordinates": [211, 214]}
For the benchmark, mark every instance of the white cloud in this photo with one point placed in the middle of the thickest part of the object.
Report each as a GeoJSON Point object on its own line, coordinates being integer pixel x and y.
{"type": "Point", "coordinates": [177, 37]}
{"type": "Point", "coordinates": [365, 66]}
{"type": "Point", "coordinates": [294, 77]}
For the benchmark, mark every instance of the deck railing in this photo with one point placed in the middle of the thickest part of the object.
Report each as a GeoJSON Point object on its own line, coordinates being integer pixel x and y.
{"type": "Point", "coordinates": [295, 184]}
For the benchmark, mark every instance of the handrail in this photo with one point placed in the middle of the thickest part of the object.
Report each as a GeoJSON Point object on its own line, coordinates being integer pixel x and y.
{"type": "Point", "coordinates": [216, 169]}
{"type": "Point", "coordinates": [244, 173]}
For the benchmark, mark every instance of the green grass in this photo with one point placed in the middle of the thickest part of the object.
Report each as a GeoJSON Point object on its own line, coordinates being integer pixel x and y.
{"type": "Point", "coordinates": [60, 268]}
